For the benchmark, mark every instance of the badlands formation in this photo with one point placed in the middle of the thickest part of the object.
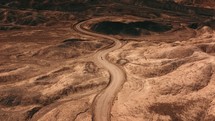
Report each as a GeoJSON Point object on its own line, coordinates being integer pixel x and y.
{"type": "Point", "coordinates": [97, 60]}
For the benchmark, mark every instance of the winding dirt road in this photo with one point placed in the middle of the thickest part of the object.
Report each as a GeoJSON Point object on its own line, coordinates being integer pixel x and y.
{"type": "Point", "coordinates": [103, 102]}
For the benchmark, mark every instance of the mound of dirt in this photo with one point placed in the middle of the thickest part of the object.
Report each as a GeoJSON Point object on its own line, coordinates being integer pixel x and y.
{"type": "Point", "coordinates": [70, 48]}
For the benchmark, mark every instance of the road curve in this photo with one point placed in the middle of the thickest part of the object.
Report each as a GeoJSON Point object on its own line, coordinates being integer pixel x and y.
{"type": "Point", "coordinates": [103, 102]}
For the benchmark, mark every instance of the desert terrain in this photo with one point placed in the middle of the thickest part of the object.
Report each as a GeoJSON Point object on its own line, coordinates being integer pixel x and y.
{"type": "Point", "coordinates": [114, 60]}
